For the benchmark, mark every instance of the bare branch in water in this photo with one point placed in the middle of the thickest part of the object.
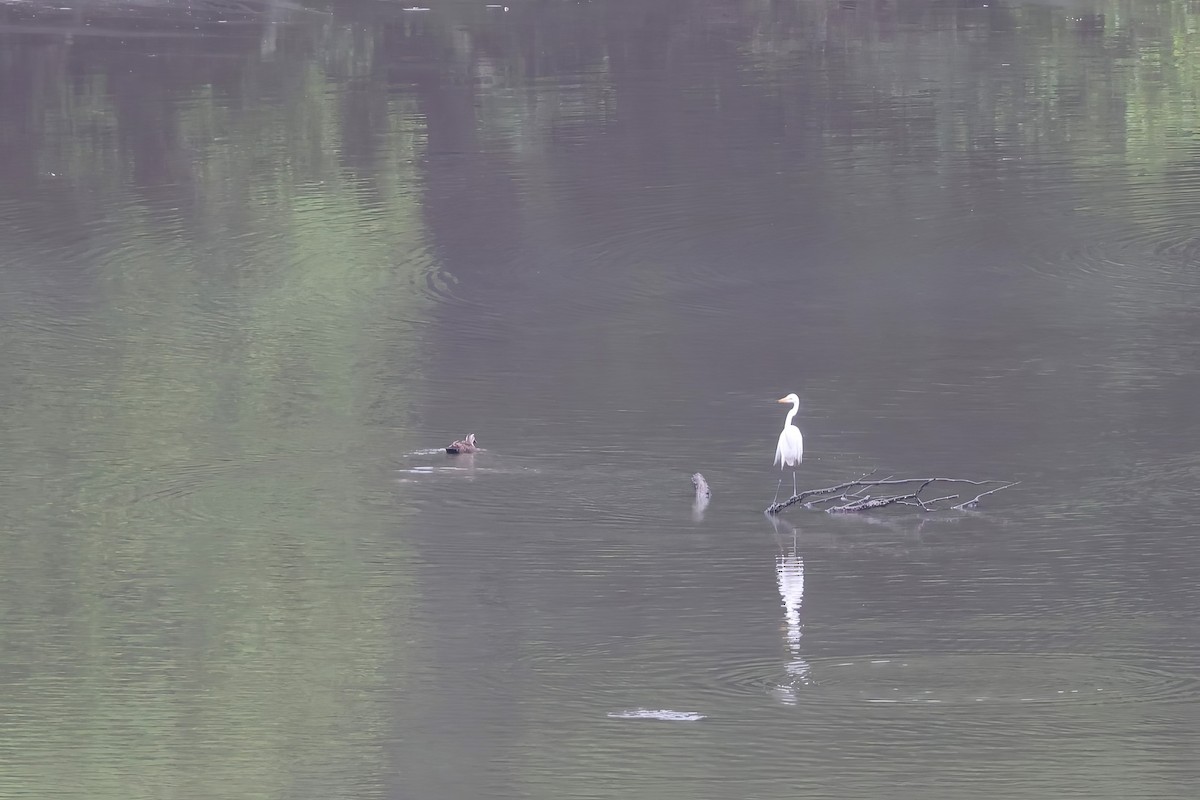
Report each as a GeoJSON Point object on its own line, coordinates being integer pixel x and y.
{"type": "Point", "coordinates": [855, 501]}
{"type": "Point", "coordinates": [971, 503]}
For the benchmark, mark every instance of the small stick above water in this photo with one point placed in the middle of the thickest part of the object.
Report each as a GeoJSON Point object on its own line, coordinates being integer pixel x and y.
{"type": "Point", "coordinates": [703, 494]}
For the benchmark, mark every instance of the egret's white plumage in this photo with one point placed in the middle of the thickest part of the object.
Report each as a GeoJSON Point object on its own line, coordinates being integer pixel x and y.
{"type": "Point", "coordinates": [790, 450]}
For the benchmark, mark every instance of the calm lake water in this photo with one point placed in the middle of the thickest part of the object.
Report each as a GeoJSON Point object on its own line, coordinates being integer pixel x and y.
{"type": "Point", "coordinates": [258, 264]}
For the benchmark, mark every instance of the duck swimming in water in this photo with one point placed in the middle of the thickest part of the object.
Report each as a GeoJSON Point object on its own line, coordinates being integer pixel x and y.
{"type": "Point", "coordinates": [463, 446]}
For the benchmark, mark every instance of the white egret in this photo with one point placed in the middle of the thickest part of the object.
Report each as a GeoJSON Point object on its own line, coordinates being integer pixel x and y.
{"type": "Point", "coordinates": [790, 450]}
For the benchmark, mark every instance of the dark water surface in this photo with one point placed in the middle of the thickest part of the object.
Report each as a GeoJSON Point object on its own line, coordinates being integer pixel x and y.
{"type": "Point", "coordinates": [257, 264]}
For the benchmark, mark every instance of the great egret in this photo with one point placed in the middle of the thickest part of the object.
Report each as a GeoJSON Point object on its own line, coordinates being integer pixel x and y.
{"type": "Point", "coordinates": [463, 446]}
{"type": "Point", "coordinates": [790, 450]}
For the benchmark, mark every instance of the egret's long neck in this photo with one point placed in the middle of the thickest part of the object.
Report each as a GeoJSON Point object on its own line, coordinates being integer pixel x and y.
{"type": "Point", "coordinates": [791, 415]}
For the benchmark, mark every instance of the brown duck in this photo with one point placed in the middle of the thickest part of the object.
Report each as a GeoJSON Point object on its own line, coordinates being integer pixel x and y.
{"type": "Point", "coordinates": [463, 446]}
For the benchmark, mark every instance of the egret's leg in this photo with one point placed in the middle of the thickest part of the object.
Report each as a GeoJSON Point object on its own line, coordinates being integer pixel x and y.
{"type": "Point", "coordinates": [794, 492]}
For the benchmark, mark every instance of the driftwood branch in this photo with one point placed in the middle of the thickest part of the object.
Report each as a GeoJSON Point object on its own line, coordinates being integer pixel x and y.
{"type": "Point", "coordinates": [849, 502]}
{"type": "Point", "coordinates": [974, 500]}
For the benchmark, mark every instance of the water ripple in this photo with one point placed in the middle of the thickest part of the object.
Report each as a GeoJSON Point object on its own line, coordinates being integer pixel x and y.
{"type": "Point", "coordinates": [662, 714]}
{"type": "Point", "coordinates": [1143, 258]}
{"type": "Point", "coordinates": [982, 678]}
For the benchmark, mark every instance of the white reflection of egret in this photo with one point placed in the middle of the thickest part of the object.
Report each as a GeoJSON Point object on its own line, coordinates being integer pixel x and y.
{"type": "Point", "coordinates": [789, 451]}
{"type": "Point", "coordinates": [789, 575]}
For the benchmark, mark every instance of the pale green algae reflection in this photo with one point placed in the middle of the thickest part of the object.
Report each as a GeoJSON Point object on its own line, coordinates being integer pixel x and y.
{"type": "Point", "coordinates": [195, 601]}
